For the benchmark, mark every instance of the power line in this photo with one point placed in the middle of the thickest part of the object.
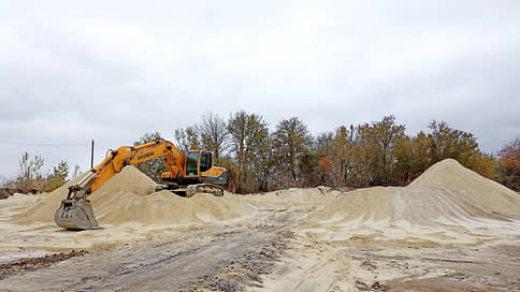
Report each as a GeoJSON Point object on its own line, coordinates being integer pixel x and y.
{"type": "Point", "coordinates": [41, 145]}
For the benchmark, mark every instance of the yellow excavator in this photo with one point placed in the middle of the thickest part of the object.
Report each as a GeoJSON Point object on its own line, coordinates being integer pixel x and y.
{"type": "Point", "coordinates": [195, 172]}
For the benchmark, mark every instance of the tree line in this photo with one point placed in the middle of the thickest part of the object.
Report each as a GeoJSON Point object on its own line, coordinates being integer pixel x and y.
{"type": "Point", "coordinates": [378, 153]}
{"type": "Point", "coordinates": [30, 176]}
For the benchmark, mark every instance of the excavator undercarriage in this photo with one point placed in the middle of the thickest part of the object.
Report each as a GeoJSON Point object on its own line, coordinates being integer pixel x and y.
{"type": "Point", "coordinates": [190, 190]}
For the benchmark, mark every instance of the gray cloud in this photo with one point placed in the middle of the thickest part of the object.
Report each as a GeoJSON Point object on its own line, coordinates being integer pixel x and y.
{"type": "Point", "coordinates": [70, 71]}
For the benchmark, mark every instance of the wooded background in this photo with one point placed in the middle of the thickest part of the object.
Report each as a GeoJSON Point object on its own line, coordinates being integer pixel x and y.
{"type": "Point", "coordinates": [378, 153]}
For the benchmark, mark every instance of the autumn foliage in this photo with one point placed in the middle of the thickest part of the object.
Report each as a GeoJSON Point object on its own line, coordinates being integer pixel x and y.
{"type": "Point", "coordinates": [509, 165]}
{"type": "Point", "coordinates": [379, 153]}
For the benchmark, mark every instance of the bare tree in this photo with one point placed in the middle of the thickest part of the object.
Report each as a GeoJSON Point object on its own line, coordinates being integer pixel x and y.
{"type": "Point", "coordinates": [186, 139]}
{"type": "Point", "coordinates": [213, 134]}
{"type": "Point", "coordinates": [29, 173]}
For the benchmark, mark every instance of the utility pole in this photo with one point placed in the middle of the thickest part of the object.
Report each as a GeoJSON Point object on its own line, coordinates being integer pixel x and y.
{"type": "Point", "coordinates": [92, 155]}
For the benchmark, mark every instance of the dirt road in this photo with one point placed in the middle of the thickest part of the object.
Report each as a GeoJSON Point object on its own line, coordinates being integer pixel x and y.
{"type": "Point", "coordinates": [172, 265]}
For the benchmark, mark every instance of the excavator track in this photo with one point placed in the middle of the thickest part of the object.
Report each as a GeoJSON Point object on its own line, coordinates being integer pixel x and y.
{"type": "Point", "coordinates": [191, 190]}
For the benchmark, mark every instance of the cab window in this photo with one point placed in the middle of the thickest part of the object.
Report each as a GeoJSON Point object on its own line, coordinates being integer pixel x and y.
{"type": "Point", "coordinates": [192, 163]}
{"type": "Point", "coordinates": [205, 161]}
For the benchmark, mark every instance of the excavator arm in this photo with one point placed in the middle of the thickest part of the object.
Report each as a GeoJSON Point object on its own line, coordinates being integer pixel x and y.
{"type": "Point", "coordinates": [76, 212]}
{"type": "Point", "coordinates": [126, 155]}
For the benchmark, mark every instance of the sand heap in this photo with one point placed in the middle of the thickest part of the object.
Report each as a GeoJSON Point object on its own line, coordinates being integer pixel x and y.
{"type": "Point", "coordinates": [446, 196]}
{"type": "Point", "coordinates": [130, 197]}
{"type": "Point", "coordinates": [299, 196]}
{"type": "Point", "coordinates": [127, 208]}
{"type": "Point", "coordinates": [469, 188]}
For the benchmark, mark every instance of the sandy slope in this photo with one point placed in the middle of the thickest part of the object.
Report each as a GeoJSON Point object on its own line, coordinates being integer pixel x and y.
{"type": "Point", "coordinates": [448, 226]}
{"type": "Point", "coordinates": [447, 204]}
{"type": "Point", "coordinates": [128, 209]}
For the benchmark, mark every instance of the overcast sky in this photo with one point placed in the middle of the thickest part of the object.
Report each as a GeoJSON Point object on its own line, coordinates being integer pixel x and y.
{"type": "Point", "coordinates": [72, 71]}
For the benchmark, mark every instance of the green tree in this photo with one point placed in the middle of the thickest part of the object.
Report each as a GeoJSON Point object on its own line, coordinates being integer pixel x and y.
{"type": "Point", "coordinates": [324, 150]}
{"type": "Point", "coordinates": [58, 177]}
{"type": "Point", "coordinates": [325, 144]}
{"type": "Point", "coordinates": [342, 148]}
{"type": "Point", "coordinates": [385, 133]}
{"type": "Point", "coordinates": [311, 173]}
{"type": "Point", "coordinates": [362, 157]}
{"type": "Point", "coordinates": [291, 141]}
{"type": "Point", "coordinates": [411, 157]}
{"type": "Point", "coordinates": [446, 142]}
{"type": "Point", "coordinates": [247, 137]}
{"type": "Point", "coordinates": [263, 166]}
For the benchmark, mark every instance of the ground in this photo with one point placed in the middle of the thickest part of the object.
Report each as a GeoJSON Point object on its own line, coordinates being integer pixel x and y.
{"type": "Point", "coordinates": [272, 254]}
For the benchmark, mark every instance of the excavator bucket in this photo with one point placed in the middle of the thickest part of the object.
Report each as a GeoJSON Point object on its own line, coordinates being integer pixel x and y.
{"type": "Point", "coordinates": [76, 214]}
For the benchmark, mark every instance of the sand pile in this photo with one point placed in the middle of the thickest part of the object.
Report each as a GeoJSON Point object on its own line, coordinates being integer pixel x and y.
{"type": "Point", "coordinates": [127, 208]}
{"type": "Point", "coordinates": [129, 197]}
{"type": "Point", "coordinates": [300, 196]}
{"type": "Point", "coordinates": [16, 203]}
{"type": "Point", "coordinates": [469, 188]}
{"type": "Point", "coordinates": [446, 200]}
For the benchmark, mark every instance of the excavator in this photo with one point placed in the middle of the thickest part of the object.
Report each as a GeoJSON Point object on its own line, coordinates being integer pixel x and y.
{"type": "Point", "coordinates": [195, 172]}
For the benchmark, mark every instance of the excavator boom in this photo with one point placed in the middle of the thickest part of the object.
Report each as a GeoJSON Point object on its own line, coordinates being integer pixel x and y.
{"type": "Point", "coordinates": [75, 212]}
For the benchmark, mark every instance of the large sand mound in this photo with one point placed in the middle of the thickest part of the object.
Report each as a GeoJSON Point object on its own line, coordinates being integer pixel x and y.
{"type": "Point", "coordinates": [446, 196]}
{"type": "Point", "coordinates": [127, 208]}
{"type": "Point", "coordinates": [469, 187]}
{"type": "Point", "coordinates": [129, 197]}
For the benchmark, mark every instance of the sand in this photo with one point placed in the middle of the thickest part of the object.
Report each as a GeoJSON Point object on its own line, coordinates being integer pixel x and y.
{"type": "Point", "coordinates": [369, 237]}
{"type": "Point", "coordinates": [130, 197]}
{"type": "Point", "coordinates": [127, 208]}
{"type": "Point", "coordinates": [447, 207]}
{"type": "Point", "coordinates": [311, 197]}
{"type": "Point", "coordinates": [448, 204]}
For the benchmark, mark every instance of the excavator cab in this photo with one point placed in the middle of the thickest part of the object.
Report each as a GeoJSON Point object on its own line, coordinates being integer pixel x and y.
{"type": "Point", "coordinates": [200, 168]}
{"type": "Point", "coordinates": [201, 175]}
{"type": "Point", "coordinates": [192, 163]}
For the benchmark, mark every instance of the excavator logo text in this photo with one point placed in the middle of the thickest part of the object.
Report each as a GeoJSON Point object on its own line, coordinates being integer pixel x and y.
{"type": "Point", "coordinates": [148, 154]}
